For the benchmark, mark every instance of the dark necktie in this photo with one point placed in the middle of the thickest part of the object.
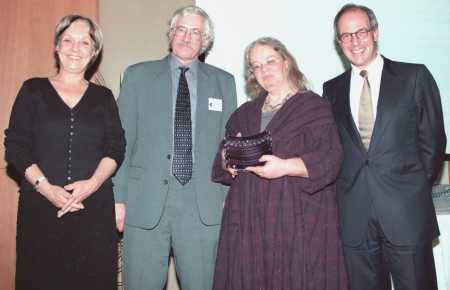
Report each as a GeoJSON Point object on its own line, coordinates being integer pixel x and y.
{"type": "Point", "coordinates": [365, 115]}
{"type": "Point", "coordinates": [182, 159]}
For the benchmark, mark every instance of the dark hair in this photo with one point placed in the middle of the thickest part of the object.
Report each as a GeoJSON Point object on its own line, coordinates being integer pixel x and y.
{"type": "Point", "coordinates": [94, 32]}
{"type": "Point", "coordinates": [373, 22]}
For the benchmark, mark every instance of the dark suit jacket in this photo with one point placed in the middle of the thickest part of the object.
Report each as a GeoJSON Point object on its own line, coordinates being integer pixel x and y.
{"type": "Point", "coordinates": [406, 152]}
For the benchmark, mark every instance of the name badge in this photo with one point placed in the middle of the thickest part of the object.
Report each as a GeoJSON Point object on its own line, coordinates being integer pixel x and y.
{"type": "Point", "coordinates": [215, 104]}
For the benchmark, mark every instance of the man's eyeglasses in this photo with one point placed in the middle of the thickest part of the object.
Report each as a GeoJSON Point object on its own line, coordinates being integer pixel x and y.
{"type": "Point", "coordinates": [360, 35]}
{"type": "Point", "coordinates": [181, 31]}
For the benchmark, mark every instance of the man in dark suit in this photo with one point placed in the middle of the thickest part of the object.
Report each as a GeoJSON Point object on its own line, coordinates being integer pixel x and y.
{"type": "Point", "coordinates": [389, 117]}
{"type": "Point", "coordinates": [174, 112]}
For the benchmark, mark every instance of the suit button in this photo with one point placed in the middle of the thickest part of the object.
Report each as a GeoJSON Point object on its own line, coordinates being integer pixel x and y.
{"type": "Point", "coordinates": [367, 162]}
{"type": "Point", "coordinates": [168, 156]}
{"type": "Point", "coordinates": [166, 181]}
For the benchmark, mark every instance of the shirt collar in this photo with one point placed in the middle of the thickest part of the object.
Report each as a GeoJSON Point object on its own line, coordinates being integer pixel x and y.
{"type": "Point", "coordinates": [175, 64]}
{"type": "Point", "coordinates": [374, 67]}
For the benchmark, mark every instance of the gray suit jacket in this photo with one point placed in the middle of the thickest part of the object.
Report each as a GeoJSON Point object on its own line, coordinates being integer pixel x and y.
{"type": "Point", "coordinates": [145, 107]}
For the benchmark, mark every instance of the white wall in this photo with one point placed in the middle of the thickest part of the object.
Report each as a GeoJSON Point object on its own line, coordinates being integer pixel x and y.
{"type": "Point", "coordinates": [410, 30]}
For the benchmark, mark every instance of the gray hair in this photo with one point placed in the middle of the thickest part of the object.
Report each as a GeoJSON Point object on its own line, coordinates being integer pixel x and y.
{"type": "Point", "coordinates": [95, 33]}
{"type": "Point", "coordinates": [373, 22]}
{"type": "Point", "coordinates": [295, 76]}
{"type": "Point", "coordinates": [208, 26]}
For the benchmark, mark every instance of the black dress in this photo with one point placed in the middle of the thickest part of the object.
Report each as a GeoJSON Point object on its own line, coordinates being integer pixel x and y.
{"type": "Point", "coordinates": [79, 250]}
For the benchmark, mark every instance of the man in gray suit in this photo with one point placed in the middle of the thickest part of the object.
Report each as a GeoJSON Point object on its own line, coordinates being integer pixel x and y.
{"type": "Point", "coordinates": [174, 112]}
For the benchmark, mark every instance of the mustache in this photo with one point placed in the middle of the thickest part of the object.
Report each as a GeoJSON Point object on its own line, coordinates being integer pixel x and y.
{"type": "Point", "coordinates": [189, 43]}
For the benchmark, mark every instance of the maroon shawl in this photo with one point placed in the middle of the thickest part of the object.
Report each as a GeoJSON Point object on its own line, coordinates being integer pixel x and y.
{"type": "Point", "coordinates": [283, 233]}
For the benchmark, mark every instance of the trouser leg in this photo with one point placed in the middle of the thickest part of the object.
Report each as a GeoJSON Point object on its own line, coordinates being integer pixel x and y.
{"type": "Point", "coordinates": [412, 267]}
{"type": "Point", "coordinates": [194, 245]}
{"type": "Point", "coordinates": [366, 265]}
{"type": "Point", "coordinates": [146, 256]}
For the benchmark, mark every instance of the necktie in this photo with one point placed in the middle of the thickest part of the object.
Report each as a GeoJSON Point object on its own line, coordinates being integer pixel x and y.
{"type": "Point", "coordinates": [182, 159]}
{"type": "Point", "coordinates": [365, 114]}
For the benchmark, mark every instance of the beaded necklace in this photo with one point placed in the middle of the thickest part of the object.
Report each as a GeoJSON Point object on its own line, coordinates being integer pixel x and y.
{"type": "Point", "coordinates": [268, 107]}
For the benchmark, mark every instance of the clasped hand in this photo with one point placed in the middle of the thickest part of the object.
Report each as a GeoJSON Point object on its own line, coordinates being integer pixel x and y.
{"type": "Point", "coordinates": [80, 191]}
{"type": "Point", "coordinates": [65, 201]}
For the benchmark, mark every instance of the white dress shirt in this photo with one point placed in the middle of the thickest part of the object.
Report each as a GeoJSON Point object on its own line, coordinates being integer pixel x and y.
{"type": "Point", "coordinates": [374, 70]}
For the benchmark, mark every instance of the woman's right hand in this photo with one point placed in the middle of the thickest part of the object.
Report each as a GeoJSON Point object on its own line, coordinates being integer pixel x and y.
{"type": "Point", "coordinates": [58, 196]}
{"type": "Point", "coordinates": [233, 172]}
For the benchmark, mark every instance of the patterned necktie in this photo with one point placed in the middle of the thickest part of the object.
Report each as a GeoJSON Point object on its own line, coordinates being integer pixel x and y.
{"type": "Point", "coordinates": [365, 115]}
{"type": "Point", "coordinates": [182, 159]}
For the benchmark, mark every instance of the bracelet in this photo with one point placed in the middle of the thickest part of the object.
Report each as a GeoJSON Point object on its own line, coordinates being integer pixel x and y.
{"type": "Point", "coordinates": [38, 181]}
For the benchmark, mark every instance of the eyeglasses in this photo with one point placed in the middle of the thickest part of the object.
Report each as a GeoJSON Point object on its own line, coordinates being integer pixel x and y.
{"type": "Point", "coordinates": [270, 63]}
{"type": "Point", "coordinates": [360, 35]}
{"type": "Point", "coordinates": [182, 31]}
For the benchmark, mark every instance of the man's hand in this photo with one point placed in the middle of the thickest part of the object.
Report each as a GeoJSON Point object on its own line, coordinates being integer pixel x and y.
{"type": "Point", "coordinates": [120, 216]}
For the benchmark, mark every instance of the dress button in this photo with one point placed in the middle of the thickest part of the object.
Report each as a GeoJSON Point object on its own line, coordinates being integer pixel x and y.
{"type": "Point", "coordinates": [69, 178]}
{"type": "Point", "coordinates": [71, 133]}
{"type": "Point", "coordinates": [166, 181]}
{"type": "Point", "coordinates": [70, 151]}
{"type": "Point", "coordinates": [367, 162]}
{"type": "Point", "coordinates": [168, 156]}
{"type": "Point", "coordinates": [71, 126]}
{"type": "Point", "coordinates": [72, 119]}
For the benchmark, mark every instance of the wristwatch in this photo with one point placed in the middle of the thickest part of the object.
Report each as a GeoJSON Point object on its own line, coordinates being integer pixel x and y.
{"type": "Point", "coordinates": [38, 181]}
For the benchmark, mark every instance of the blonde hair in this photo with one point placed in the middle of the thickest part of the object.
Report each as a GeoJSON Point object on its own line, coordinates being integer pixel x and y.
{"type": "Point", "coordinates": [295, 76]}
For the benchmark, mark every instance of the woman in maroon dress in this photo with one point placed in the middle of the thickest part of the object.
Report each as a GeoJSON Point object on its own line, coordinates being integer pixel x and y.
{"type": "Point", "coordinates": [280, 226]}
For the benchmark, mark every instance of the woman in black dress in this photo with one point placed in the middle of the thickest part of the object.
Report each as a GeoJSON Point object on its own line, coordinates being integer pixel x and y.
{"type": "Point", "coordinates": [66, 138]}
